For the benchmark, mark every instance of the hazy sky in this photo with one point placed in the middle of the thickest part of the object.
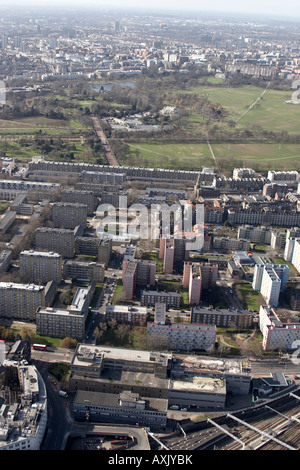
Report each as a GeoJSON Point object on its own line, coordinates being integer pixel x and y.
{"type": "Point", "coordinates": [265, 7]}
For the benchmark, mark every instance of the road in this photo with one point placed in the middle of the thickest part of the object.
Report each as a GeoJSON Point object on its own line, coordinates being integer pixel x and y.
{"type": "Point", "coordinates": [59, 419]}
{"type": "Point", "coordinates": [138, 434]}
{"type": "Point", "coordinates": [111, 159]}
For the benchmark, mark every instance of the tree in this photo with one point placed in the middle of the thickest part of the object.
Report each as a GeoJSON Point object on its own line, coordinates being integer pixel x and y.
{"type": "Point", "coordinates": [26, 331]}
{"type": "Point", "coordinates": [157, 342]}
{"type": "Point", "coordinates": [69, 343]}
{"type": "Point", "coordinates": [67, 296]}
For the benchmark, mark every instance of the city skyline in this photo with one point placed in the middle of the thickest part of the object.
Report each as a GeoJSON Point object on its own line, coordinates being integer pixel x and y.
{"type": "Point", "coordinates": [290, 8]}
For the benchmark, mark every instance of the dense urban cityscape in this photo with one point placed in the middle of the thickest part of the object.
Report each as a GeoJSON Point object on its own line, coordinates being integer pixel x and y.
{"type": "Point", "coordinates": [149, 231]}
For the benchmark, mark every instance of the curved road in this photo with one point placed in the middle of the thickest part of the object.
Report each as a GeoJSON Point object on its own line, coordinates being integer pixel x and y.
{"type": "Point", "coordinates": [59, 421]}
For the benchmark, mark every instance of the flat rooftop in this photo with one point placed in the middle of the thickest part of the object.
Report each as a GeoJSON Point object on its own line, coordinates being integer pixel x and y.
{"type": "Point", "coordinates": [117, 354]}
{"type": "Point", "coordinates": [79, 299]}
{"type": "Point", "coordinates": [199, 384]}
{"type": "Point", "coordinates": [112, 399]}
{"type": "Point", "coordinates": [208, 365]}
{"type": "Point", "coordinates": [57, 312]}
{"type": "Point", "coordinates": [125, 309]}
{"type": "Point", "coordinates": [14, 285]}
{"type": "Point", "coordinates": [43, 254]}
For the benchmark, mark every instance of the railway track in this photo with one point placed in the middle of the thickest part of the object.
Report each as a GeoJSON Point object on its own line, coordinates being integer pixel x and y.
{"type": "Point", "coordinates": [273, 426]}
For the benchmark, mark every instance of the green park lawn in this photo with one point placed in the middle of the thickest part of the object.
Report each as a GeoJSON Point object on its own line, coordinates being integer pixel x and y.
{"type": "Point", "coordinates": [196, 156]}
{"type": "Point", "coordinates": [252, 299]}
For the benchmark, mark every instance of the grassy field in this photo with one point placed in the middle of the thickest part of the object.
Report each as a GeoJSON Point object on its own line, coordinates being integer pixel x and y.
{"type": "Point", "coordinates": [252, 299]}
{"type": "Point", "coordinates": [281, 156]}
{"type": "Point", "coordinates": [271, 112]}
{"type": "Point", "coordinates": [195, 156]}
{"type": "Point", "coordinates": [180, 156]}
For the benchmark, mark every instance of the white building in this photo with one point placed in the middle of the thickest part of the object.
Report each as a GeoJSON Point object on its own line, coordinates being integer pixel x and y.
{"type": "Point", "coordinates": [23, 423]}
{"type": "Point", "coordinates": [276, 334]}
{"type": "Point", "coordinates": [270, 286]}
{"type": "Point", "coordinates": [296, 254]}
{"type": "Point", "coordinates": [281, 269]}
{"type": "Point", "coordinates": [292, 251]}
{"type": "Point", "coordinates": [239, 173]}
{"type": "Point", "coordinates": [185, 336]}
{"type": "Point", "coordinates": [283, 176]}
{"type": "Point", "coordinates": [289, 249]}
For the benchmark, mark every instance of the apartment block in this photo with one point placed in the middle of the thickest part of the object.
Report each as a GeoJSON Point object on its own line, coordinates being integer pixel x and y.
{"type": "Point", "coordinates": [160, 313]}
{"type": "Point", "coordinates": [87, 245]}
{"type": "Point", "coordinates": [222, 318]}
{"type": "Point", "coordinates": [277, 335]}
{"type": "Point", "coordinates": [5, 259]}
{"type": "Point", "coordinates": [102, 177]}
{"type": "Point", "coordinates": [93, 246]}
{"type": "Point", "coordinates": [169, 254]}
{"type": "Point", "coordinates": [270, 286]}
{"type": "Point", "coordinates": [231, 244]}
{"type": "Point", "coordinates": [126, 314]}
{"type": "Point", "coordinates": [198, 277]}
{"type": "Point", "coordinates": [58, 240]}
{"type": "Point", "coordinates": [177, 250]}
{"type": "Point", "coordinates": [41, 266]}
{"type": "Point", "coordinates": [104, 250]}
{"type": "Point", "coordinates": [98, 188]}
{"type": "Point", "coordinates": [254, 235]}
{"type": "Point", "coordinates": [213, 212]}
{"type": "Point", "coordinates": [21, 185]}
{"type": "Point", "coordinates": [150, 298]}
{"type": "Point", "coordinates": [185, 336]}
{"type": "Point", "coordinates": [275, 189]}
{"type": "Point", "coordinates": [69, 215]}
{"type": "Point", "coordinates": [296, 254]}
{"type": "Point", "coordinates": [136, 173]}
{"type": "Point", "coordinates": [283, 176]}
{"type": "Point", "coordinates": [69, 322]}
{"type": "Point", "coordinates": [278, 239]}
{"type": "Point", "coordinates": [137, 273]}
{"type": "Point", "coordinates": [241, 173]}
{"type": "Point", "coordinates": [59, 323]}
{"type": "Point", "coordinates": [80, 197]}
{"type": "Point", "coordinates": [85, 271]}
{"type": "Point", "coordinates": [20, 206]}
{"type": "Point", "coordinates": [20, 301]}
{"type": "Point", "coordinates": [7, 220]}
{"type": "Point", "coordinates": [282, 270]}
{"type": "Point", "coordinates": [129, 279]}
